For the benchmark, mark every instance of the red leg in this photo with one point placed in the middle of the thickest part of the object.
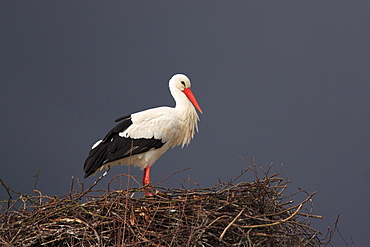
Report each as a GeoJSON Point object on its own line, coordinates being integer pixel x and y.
{"type": "Point", "coordinates": [146, 181]}
{"type": "Point", "coordinates": [146, 177]}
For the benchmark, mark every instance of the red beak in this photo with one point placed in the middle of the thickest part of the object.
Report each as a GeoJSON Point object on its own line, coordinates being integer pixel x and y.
{"type": "Point", "coordinates": [192, 99]}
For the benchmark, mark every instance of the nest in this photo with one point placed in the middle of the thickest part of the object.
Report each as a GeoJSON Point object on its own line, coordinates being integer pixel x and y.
{"type": "Point", "coordinates": [228, 214]}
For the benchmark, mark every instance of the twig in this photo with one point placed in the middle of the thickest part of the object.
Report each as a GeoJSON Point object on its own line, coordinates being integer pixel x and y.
{"type": "Point", "coordinates": [232, 222]}
{"type": "Point", "coordinates": [95, 183]}
{"type": "Point", "coordinates": [171, 175]}
{"type": "Point", "coordinates": [7, 191]}
{"type": "Point", "coordinates": [278, 222]}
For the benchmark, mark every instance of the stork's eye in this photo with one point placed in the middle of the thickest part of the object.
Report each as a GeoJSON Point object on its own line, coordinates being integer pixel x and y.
{"type": "Point", "coordinates": [183, 83]}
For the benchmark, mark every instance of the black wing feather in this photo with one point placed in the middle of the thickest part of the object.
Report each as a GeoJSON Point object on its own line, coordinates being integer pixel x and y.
{"type": "Point", "coordinates": [114, 147]}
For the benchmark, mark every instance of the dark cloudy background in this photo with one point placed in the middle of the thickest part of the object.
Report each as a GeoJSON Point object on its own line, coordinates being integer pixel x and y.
{"type": "Point", "coordinates": [286, 82]}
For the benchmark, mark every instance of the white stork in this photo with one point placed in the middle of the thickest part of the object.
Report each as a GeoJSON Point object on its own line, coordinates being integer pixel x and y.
{"type": "Point", "coordinates": [142, 137]}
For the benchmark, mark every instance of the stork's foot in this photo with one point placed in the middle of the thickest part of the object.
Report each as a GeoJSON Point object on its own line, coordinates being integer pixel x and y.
{"type": "Point", "coordinates": [147, 191]}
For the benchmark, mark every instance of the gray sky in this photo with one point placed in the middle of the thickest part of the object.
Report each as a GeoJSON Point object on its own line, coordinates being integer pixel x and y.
{"type": "Point", "coordinates": [284, 82]}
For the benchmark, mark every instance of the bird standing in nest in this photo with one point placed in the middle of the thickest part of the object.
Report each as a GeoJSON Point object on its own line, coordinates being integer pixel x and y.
{"type": "Point", "coordinates": [141, 138]}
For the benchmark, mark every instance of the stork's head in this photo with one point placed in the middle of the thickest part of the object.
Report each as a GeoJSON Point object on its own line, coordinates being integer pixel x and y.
{"type": "Point", "coordinates": [181, 82]}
